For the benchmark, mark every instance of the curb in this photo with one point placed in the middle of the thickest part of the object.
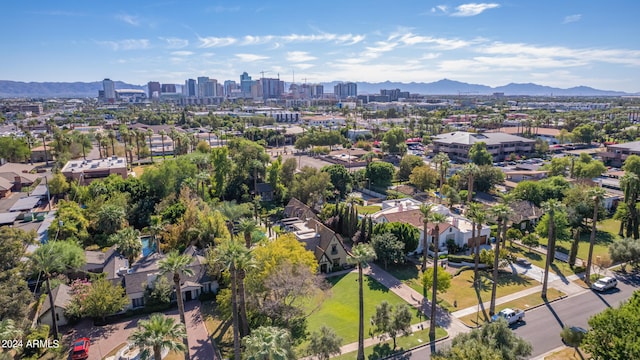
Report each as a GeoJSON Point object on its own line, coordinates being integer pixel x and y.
{"type": "Point", "coordinates": [525, 310]}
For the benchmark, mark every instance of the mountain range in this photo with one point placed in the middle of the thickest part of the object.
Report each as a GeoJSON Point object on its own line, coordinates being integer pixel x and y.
{"type": "Point", "coordinates": [17, 89]}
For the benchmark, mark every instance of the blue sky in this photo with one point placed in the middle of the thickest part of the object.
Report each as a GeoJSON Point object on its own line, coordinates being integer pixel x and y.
{"type": "Point", "coordinates": [560, 43]}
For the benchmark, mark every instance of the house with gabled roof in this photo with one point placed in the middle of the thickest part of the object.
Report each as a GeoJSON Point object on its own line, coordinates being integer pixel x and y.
{"type": "Point", "coordinates": [61, 299]}
{"type": "Point", "coordinates": [524, 214]}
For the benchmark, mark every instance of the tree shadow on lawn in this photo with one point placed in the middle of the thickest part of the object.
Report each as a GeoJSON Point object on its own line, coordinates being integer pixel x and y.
{"type": "Point", "coordinates": [505, 278]}
{"type": "Point", "coordinates": [404, 272]}
{"type": "Point", "coordinates": [523, 251]}
{"type": "Point", "coordinates": [333, 280]}
{"type": "Point", "coordinates": [383, 350]}
{"type": "Point", "coordinates": [374, 285]}
{"type": "Point", "coordinates": [602, 237]}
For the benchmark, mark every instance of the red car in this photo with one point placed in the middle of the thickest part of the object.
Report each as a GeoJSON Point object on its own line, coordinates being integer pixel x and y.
{"type": "Point", "coordinates": [80, 349]}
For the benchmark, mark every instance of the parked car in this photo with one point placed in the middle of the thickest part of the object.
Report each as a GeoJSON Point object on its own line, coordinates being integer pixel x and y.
{"type": "Point", "coordinates": [605, 283]}
{"type": "Point", "coordinates": [512, 316]}
{"type": "Point", "coordinates": [80, 349]}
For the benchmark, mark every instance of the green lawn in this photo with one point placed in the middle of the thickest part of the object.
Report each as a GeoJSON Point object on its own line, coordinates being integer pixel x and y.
{"type": "Point", "coordinates": [523, 303]}
{"type": "Point", "coordinates": [369, 209]}
{"type": "Point", "coordinates": [403, 343]}
{"type": "Point", "coordinates": [461, 290]}
{"type": "Point", "coordinates": [340, 310]}
{"type": "Point", "coordinates": [218, 328]}
{"type": "Point", "coordinates": [606, 234]}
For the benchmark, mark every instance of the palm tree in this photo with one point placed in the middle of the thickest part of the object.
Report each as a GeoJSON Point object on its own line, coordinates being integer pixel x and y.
{"type": "Point", "coordinates": [478, 216]}
{"type": "Point", "coordinates": [44, 137]}
{"type": "Point", "coordinates": [128, 243]}
{"type": "Point", "coordinates": [177, 264]}
{"type": "Point", "coordinates": [9, 331]}
{"type": "Point", "coordinates": [150, 136]}
{"type": "Point", "coordinates": [550, 207]}
{"type": "Point", "coordinates": [442, 160]}
{"type": "Point", "coordinates": [158, 333]}
{"type": "Point", "coordinates": [426, 211]}
{"type": "Point", "coordinates": [52, 258]}
{"type": "Point", "coordinates": [501, 212]}
{"type": "Point", "coordinates": [232, 211]}
{"type": "Point", "coordinates": [471, 170]}
{"type": "Point", "coordinates": [247, 227]}
{"type": "Point", "coordinates": [269, 343]}
{"type": "Point", "coordinates": [360, 255]}
{"type": "Point", "coordinates": [112, 138]}
{"type": "Point", "coordinates": [597, 194]}
{"type": "Point", "coordinates": [233, 255]}
{"type": "Point", "coordinates": [162, 135]}
{"type": "Point", "coordinates": [436, 219]}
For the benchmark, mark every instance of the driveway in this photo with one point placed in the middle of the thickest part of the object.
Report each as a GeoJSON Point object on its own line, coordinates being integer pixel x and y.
{"type": "Point", "coordinates": [106, 338]}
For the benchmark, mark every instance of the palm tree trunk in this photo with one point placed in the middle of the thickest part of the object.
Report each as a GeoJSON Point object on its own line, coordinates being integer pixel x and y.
{"type": "Point", "coordinates": [470, 190]}
{"type": "Point", "coordinates": [185, 340]}
{"type": "Point", "coordinates": [424, 247]}
{"type": "Point", "coordinates": [548, 262]}
{"type": "Point", "coordinates": [44, 145]}
{"type": "Point", "coordinates": [54, 321]}
{"type": "Point", "coordinates": [592, 241]}
{"type": "Point", "coordinates": [476, 256]}
{"type": "Point", "coordinates": [434, 287]}
{"type": "Point", "coordinates": [242, 307]}
{"type": "Point", "coordinates": [573, 253]}
{"type": "Point", "coordinates": [234, 310]}
{"type": "Point", "coordinates": [496, 258]}
{"type": "Point", "coordinates": [360, 355]}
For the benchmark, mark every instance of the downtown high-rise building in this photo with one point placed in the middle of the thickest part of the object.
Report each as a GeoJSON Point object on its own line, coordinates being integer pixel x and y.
{"type": "Point", "coordinates": [245, 84]}
{"type": "Point", "coordinates": [190, 88]}
{"type": "Point", "coordinates": [168, 88]}
{"type": "Point", "coordinates": [154, 89]}
{"type": "Point", "coordinates": [345, 90]}
{"type": "Point", "coordinates": [109, 89]}
{"type": "Point", "coordinates": [272, 88]}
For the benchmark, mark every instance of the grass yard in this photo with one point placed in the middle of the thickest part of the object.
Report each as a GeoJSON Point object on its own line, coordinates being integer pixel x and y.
{"type": "Point", "coordinates": [138, 170]}
{"type": "Point", "coordinates": [601, 247]}
{"type": "Point", "coordinates": [523, 303]}
{"type": "Point", "coordinates": [535, 258]}
{"type": "Point", "coordinates": [568, 353]}
{"type": "Point", "coordinates": [340, 310]}
{"type": "Point", "coordinates": [219, 329]}
{"type": "Point", "coordinates": [403, 343]}
{"type": "Point", "coordinates": [461, 290]}
{"type": "Point", "coordinates": [369, 209]}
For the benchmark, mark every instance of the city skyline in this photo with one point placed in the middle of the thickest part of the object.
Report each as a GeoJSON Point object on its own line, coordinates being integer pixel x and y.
{"type": "Point", "coordinates": [491, 43]}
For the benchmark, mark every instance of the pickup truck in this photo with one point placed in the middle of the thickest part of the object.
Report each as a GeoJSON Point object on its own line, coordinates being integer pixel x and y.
{"type": "Point", "coordinates": [512, 316]}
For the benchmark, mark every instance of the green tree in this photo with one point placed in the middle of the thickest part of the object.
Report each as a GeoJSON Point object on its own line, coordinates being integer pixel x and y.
{"type": "Point", "coordinates": [110, 218]}
{"type": "Point", "coordinates": [324, 343]}
{"type": "Point", "coordinates": [478, 216]}
{"type": "Point", "coordinates": [493, 341]}
{"type": "Point", "coordinates": [407, 234]}
{"type": "Point", "coordinates": [443, 282]}
{"type": "Point", "coordinates": [269, 343]}
{"type": "Point", "coordinates": [157, 295]}
{"type": "Point", "coordinates": [58, 184]}
{"type": "Point", "coordinates": [360, 255]}
{"type": "Point", "coordinates": [177, 265]}
{"type": "Point", "coordinates": [221, 168]}
{"type": "Point", "coordinates": [442, 162]}
{"type": "Point", "coordinates": [340, 178]}
{"type": "Point", "coordinates": [310, 185]}
{"type": "Point", "coordinates": [550, 207]}
{"type": "Point", "coordinates": [470, 171]}
{"type": "Point", "coordinates": [401, 322]}
{"type": "Point", "coordinates": [70, 224]}
{"type": "Point", "coordinates": [513, 234]}
{"type": "Point", "coordinates": [103, 298]}
{"type": "Point", "coordinates": [407, 164]}
{"type": "Point", "coordinates": [530, 240]}
{"type": "Point", "coordinates": [597, 194]}
{"type": "Point", "coordinates": [128, 243]}
{"type": "Point", "coordinates": [487, 178]}
{"type": "Point", "coordinates": [423, 177]}
{"type": "Point", "coordinates": [9, 330]}
{"type": "Point", "coordinates": [501, 212]}
{"type": "Point", "coordinates": [380, 173]}
{"type": "Point", "coordinates": [158, 333]}
{"type": "Point", "coordinates": [626, 251]}
{"type": "Point", "coordinates": [479, 155]}
{"type": "Point", "coordinates": [53, 258]}
{"type": "Point", "coordinates": [388, 248]}
{"type": "Point", "coordinates": [630, 183]}
{"type": "Point", "coordinates": [572, 337]}
{"type": "Point", "coordinates": [425, 211]}
{"type": "Point", "coordinates": [394, 138]}
{"type": "Point", "coordinates": [615, 331]}
{"type": "Point", "coordinates": [584, 133]}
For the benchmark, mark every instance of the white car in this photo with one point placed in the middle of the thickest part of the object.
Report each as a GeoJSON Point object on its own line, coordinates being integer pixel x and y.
{"type": "Point", "coordinates": [605, 283]}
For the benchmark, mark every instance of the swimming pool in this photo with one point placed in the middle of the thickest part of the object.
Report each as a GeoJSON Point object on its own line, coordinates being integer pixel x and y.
{"type": "Point", "coordinates": [148, 247]}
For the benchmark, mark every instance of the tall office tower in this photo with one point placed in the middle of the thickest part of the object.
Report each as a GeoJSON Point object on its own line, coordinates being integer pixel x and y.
{"type": "Point", "coordinates": [345, 90]}
{"type": "Point", "coordinates": [393, 94]}
{"type": "Point", "coordinates": [272, 88]}
{"type": "Point", "coordinates": [202, 85]}
{"type": "Point", "coordinates": [245, 84]}
{"type": "Point", "coordinates": [219, 90]}
{"type": "Point", "coordinates": [154, 89]}
{"type": "Point", "coordinates": [109, 90]}
{"type": "Point", "coordinates": [189, 89]}
{"type": "Point", "coordinates": [317, 91]}
{"type": "Point", "coordinates": [229, 86]}
{"type": "Point", "coordinates": [168, 88]}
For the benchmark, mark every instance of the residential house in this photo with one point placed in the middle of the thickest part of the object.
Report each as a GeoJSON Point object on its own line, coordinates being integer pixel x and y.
{"type": "Point", "coordinates": [111, 263]}
{"type": "Point", "coordinates": [456, 228]}
{"type": "Point", "coordinates": [146, 270]}
{"type": "Point", "coordinates": [524, 214]}
{"type": "Point", "coordinates": [297, 209]}
{"type": "Point", "coordinates": [324, 243]}
{"type": "Point", "coordinates": [61, 299]}
{"type": "Point", "coordinates": [265, 190]}
{"type": "Point", "coordinates": [14, 176]}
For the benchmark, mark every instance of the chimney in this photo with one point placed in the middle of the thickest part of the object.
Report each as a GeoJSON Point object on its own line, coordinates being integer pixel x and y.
{"type": "Point", "coordinates": [17, 183]}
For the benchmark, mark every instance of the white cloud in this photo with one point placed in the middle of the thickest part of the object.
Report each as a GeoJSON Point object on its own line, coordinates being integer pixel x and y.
{"type": "Point", "coordinates": [250, 57]}
{"type": "Point", "coordinates": [473, 9]}
{"type": "Point", "coordinates": [299, 56]}
{"type": "Point", "coordinates": [212, 41]}
{"type": "Point", "coordinates": [572, 18]}
{"type": "Point", "coordinates": [182, 53]}
{"type": "Point", "coordinates": [343, 39]}
{"type": "Point", "coordinates": [222, 9]}
{"type": "Point", "coordinates": [175, 43]}
{"type": "Point", "coordinates": [129, 19]}
{"type": "Point", "coordinates": [126, 44]}
{"type": "Point", "coordinates": [441, 43]}
{"type": "Point", "coordinates": [303, 66]}
{"type": "Point", "coordinates": [440, 8]}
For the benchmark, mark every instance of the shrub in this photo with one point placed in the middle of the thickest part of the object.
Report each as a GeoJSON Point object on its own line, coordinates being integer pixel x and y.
{"type": "Point", "coordinates": [460, 258]}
